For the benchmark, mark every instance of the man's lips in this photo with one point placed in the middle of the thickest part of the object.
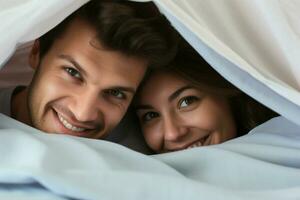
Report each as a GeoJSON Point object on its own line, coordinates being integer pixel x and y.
{"type": "Point", "coordinates": [71, 125]}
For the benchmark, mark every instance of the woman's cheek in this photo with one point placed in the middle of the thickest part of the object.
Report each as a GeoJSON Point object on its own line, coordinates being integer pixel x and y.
{"type": "Point", "coordinates": [200, 118]}
{"type": "Point", "coordinates": [153, 136]}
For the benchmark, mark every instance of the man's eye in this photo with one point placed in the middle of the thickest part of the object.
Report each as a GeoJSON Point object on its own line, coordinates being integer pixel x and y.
{"type": "Point", "coordinates": [149, 116]}
{"type": "Point", "coordinates": [186, 101]}
{"type": "Point", "coordinates": [73, 72]}
{"type": "Point", "coordinates": [116, 93]}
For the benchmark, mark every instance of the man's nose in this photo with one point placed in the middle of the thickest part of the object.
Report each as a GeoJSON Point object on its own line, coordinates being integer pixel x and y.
{"type": "Point", "coordinates": [174, 129]}
{"type": "Point", "coordinates": [87, 108]}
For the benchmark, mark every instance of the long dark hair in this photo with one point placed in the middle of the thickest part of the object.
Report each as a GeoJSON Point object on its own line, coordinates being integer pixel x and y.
{"type": "Point", "coordinates": [247, 112]}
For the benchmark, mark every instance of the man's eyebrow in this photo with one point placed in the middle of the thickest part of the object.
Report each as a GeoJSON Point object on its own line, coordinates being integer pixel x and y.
{"type": "Point", "coordinates": [175, 94]}
{"type": "Point", "coordinates": [125, 89]}
{"type": "Point", "coordinates": [74, 62]}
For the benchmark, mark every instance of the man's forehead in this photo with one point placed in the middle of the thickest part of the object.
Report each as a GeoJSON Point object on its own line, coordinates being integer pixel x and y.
{"type": "Point", "coordinates": [80, 46]}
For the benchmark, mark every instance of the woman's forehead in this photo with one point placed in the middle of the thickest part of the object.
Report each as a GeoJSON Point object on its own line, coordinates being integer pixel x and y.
{"type": "Point", "coordinates": [160, 85]}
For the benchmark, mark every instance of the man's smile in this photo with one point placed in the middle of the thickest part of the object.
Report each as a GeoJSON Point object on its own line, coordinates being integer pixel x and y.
{"type": "Point", "coordinates": [69, 125]}
{"type": "Point", "coordinates": [66, 125]}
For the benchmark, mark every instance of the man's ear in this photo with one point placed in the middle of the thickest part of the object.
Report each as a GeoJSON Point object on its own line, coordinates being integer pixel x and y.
{"type": "Point", "coordinates": [34, 56]}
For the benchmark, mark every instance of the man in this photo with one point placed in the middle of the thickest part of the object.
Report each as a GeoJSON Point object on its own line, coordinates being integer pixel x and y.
{"type": "Point", "coordinates": [88, 68]}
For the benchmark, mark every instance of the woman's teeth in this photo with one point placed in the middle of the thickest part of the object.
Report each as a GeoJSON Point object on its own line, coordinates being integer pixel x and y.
{"type": "Point", "coordinates": [197, 144]}
{"type": "Point", "coordinates": [69, 126]}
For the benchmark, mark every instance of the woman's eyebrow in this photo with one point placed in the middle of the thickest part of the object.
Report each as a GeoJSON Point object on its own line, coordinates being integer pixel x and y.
{"type": "Point", "coordinates": [143, 107]}
{"type": "Point", "coordinates": [175, 94]}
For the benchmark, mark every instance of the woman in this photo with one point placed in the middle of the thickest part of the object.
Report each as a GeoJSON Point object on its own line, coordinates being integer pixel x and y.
{"type": "Point", "coordinates": [190, 105]}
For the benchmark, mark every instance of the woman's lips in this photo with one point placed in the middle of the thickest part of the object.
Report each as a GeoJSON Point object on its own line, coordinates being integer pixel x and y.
{"type": "Point", "coordinates": [195, 144]}
{"type": "Point", "coordinates": [198, 143]}
{"type": "Point", "coordinates": [204, 141]}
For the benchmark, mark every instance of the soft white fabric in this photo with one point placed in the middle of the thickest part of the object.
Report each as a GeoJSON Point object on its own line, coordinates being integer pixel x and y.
{"type": "Point", "coordinates": [263, 165]}
{"type": "Point", "coordinates": [23, 21]}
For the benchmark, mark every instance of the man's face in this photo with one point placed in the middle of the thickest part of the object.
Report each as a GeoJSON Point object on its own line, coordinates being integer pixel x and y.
{"type": "Point", "coordinates": [79, 89]}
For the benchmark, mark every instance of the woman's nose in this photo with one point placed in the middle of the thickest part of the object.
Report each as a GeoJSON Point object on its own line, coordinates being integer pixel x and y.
{"type": "Point", "coordinates": [174, 129]}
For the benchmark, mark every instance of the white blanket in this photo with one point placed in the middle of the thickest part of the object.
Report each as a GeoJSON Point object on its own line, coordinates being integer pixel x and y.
{"type": "Point", "coordinates": [262, 165]}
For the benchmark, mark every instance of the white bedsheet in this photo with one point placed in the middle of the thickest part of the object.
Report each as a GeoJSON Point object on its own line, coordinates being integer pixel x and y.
{"type": "Point", "coordinates": [262, 165]}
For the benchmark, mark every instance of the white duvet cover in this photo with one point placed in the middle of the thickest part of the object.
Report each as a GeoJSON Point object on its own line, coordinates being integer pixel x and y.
{"type": "Point", "coordinates": [261, 165]}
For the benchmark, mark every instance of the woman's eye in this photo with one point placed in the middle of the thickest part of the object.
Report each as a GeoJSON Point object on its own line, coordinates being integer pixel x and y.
{"type": "Point", "coordinates": [186, 101]}
{"type": "Point", "coordinates": [73, 72]}
{"type": "Point", "coordinates": [116, 93]}
{"type": "Point", "coordinates": [149, 115]}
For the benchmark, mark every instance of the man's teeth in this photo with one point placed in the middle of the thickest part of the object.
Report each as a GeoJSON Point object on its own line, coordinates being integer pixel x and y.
{"type": "Point", "coordinates": [69, 126]}
{"type": "Point", "coordinates": [197, 144]}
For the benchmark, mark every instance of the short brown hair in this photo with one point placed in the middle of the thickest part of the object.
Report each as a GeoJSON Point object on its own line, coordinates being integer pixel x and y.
{"type": "Point", "coordinates": [134, 29]}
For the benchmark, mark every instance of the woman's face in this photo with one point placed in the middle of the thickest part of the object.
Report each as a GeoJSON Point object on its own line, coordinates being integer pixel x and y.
{"type": "Point", "coordinates": [175, 115]}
